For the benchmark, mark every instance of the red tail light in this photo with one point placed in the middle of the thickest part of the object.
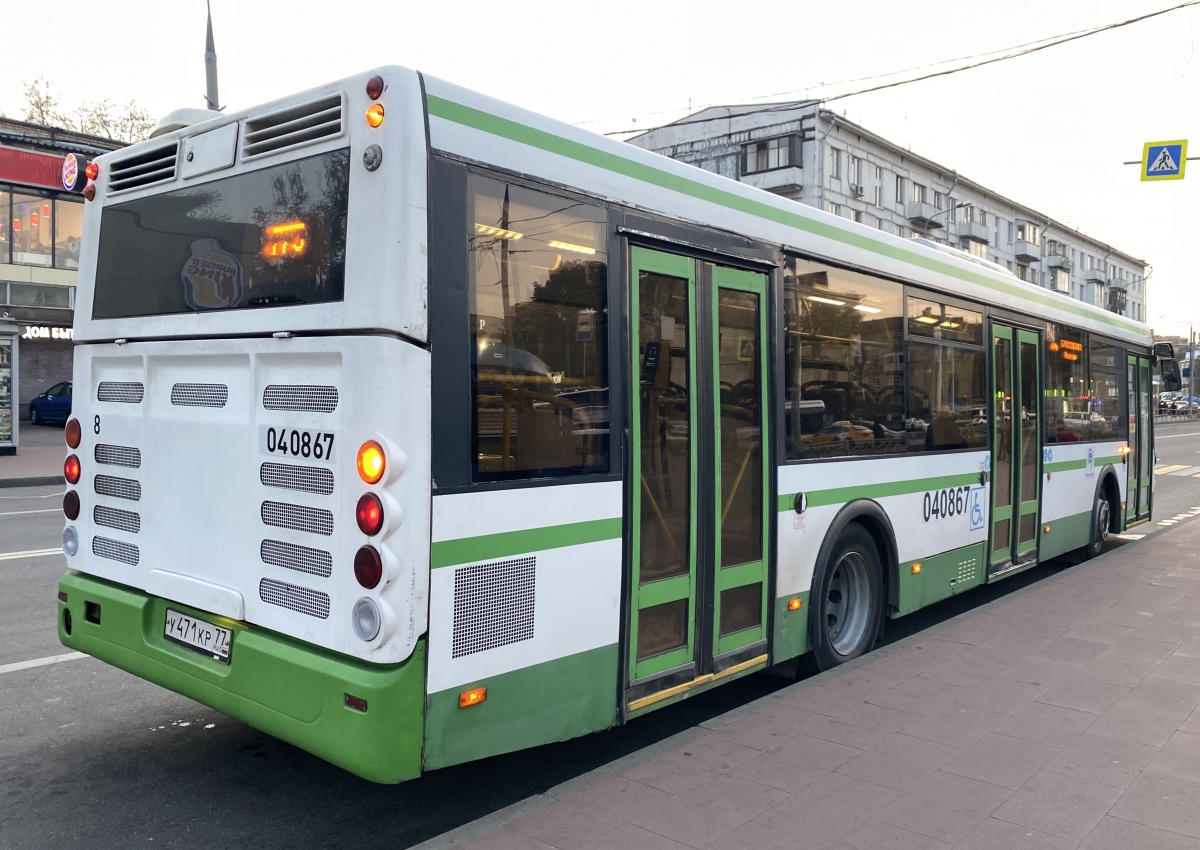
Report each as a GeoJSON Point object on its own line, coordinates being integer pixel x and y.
{"type": "Point", "coordinates": [370, 514]}
{"type": "Point", "coordinates": [92, 171]}
{"type": "Point", "coordinates": [368, 567]}
{"type": "Point", "coordinates": [72, 470]}
{"type": "Point", "coordinates": [71, 504]}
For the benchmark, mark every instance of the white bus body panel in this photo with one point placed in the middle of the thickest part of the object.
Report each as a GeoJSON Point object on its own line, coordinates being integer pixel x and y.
{"type": "Point", "coordinates": [386, 254]}
{"type": "Point", "coordinates": [201, 497]}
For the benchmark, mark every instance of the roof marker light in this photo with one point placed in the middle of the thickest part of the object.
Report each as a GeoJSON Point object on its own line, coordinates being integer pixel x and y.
{"type": "Point", "coordinates": [375, 87]}
{"type": "Point", "coordinates": [92, 171]}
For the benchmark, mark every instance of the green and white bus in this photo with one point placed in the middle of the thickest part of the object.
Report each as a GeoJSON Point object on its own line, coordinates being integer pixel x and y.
{"type": "Point", "coordinates": [412, 427]}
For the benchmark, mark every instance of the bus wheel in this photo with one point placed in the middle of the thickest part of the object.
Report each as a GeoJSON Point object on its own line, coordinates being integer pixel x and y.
{"type": "Point", "coordinates": [848, 604]}
{"type": "Point", "coordinates": [1101, 520]}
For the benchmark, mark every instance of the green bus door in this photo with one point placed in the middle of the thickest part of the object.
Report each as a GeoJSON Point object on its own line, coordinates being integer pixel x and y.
{"type": "Point", "coordinates": [1139, 460]}
{"type": "Point", "coordinates": [1016, 447]}
{"type": "Point", "coordinates": [698, 584]}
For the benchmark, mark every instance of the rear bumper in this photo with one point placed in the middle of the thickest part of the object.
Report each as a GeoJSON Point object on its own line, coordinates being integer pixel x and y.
{"type": "Point", "coordinates": [286, 688]}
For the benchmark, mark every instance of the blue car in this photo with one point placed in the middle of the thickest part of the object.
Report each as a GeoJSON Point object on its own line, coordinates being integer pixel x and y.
{"type": "Point", "coordinates": [54, 405]}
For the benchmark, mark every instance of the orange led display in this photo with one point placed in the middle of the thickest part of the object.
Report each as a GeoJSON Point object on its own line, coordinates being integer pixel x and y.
{"type": "Point", "coordinates": [281, 241]}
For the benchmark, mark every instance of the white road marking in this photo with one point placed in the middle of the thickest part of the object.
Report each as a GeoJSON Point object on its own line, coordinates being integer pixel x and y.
{"type": "Point", "coordinates": [40, 662]}
{"type": "Point", "coordinates": [1129, 536]}
{"type": "Point", "coordinates": [21, 513]}
{"type": "Point", "coordinates": [32, 553]}
{"type": "Point", "coordinates": [1173, 436]}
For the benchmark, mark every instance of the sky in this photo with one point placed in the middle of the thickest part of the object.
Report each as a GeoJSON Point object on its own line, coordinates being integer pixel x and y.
{"type": "Point", "coordinates": [1050, 130]}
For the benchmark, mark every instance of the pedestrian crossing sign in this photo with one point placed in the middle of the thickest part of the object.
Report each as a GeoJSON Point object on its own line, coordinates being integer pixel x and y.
{"type": "Point", "coordinates": [1164, 160]}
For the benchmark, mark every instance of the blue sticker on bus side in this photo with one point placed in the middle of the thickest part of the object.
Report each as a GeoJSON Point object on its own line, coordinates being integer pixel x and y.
{"type": "Point", "coordinates": [978, 508]}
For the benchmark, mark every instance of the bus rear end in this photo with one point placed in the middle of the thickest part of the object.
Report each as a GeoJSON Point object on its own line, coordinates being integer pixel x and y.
{"type": "Point", "coordinates": [248, 470]}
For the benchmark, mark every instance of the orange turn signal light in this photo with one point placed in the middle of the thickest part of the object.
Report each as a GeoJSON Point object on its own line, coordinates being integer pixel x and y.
{"type": "Point", "coordinates": [472, 697]}
{"type": "Point", "coordinates": [916, 568]}
{"type": "Point", "coordinates": [1046, 529]}
{"type": "Point", "coordinates": [371, 462]}
{"type": "Point", "coordinates": [375, 114]}
{"type": "Point", "coordinates": [795, 604]}
{"type": "Point", "coordinates": [73, 433]}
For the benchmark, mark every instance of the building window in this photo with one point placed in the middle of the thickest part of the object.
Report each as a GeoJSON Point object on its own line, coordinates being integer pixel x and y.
{"type": "Point", "coordinates": [939, 200]}
{"type": "Point", "coordinates": [835, 209]}
{"type": "Point", "coordinates": [537, 276]}
{"type": "Point", "coordinates": [835, 166]}
{"type": "Point", "coordinates": [37, 295]}
{"type": "Point", "coordinates": [982, 219]}
{"type": "Point", "coordinates": [765, 155]}
{"type": "Point", "coordinates": [32, 230]}
{"type": "Point", "coordinates": [1060, 280]}
{"type": "Point", "coordinates": [878, 186]}
{"type": "Point", "coordinates": [918, 193]}
{"type": "Point", "coordinates": [5, 222]}
{"type": "Point", "coordinates": [68, 233]}
{"type": "Point", "coordinates": [1029, 232]}
{"type": "Point", "coordinates": [977, 249]}
{"type": "Point", "coordinates": [858, 216]}
{"type": "Point", "coordinates": [856, 172]}
{"type": "Point", "coordinates": [899, 191]}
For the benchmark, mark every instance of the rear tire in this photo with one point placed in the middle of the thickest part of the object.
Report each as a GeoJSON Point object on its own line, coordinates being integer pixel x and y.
{"type": "Point", "coordinates": [1101, 523]}
{"type": "Point", "coordinates": [33, 417]}
{"type": "Point", "coordinates": [847, 606]}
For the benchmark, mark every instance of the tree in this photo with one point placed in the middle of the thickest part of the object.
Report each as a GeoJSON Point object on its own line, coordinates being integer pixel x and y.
{"type": "Point", "coordinates": [131, 122]}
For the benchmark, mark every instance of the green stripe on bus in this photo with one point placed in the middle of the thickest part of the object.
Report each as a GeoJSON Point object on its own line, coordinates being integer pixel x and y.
{"type": "Point", "coordinates": [464, 550]}
{"type": "Point", "coordinates": [468, 116]}
{"type": "Point", "coordinates": [837, 495]}
{"type": "Point", "coordinates": [1064, 465]}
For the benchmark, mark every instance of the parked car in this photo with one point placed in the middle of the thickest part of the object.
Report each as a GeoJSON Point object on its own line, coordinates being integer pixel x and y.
{"type": "Point", "coordinates": [52, 406]}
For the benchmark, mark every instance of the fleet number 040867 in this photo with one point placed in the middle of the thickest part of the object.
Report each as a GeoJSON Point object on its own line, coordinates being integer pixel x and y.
{"type": "Point", "coordinates": [939, 504]}
{"type": "Point", "coordinates": [296, 443]}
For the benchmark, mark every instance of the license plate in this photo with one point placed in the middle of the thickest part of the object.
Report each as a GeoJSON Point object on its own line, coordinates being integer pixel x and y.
{"type": "Point", "coordinates": [295, 443]}
{"type": "Point", "coordinates": [203, 637]}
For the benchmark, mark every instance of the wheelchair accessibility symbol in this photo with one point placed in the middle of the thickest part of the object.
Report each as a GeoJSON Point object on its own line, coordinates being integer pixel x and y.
{"type": "Point", "coordinates": [977, 509]}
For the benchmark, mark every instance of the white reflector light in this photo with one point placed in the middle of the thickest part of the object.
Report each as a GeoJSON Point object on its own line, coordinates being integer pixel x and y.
{"type": "Point", "coordinates": [366, 619]}
{"type": "Point", "coordinates": [70, 540]}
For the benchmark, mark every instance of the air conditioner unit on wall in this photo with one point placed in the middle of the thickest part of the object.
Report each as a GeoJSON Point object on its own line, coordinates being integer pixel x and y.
{"type": "Point", "coordinates": [857, 190]}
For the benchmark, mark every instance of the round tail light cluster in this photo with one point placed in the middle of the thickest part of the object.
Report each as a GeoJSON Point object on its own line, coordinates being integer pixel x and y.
{"type": "Point", "coordinates": [368, 562]}
{"type": "Point", "coordinates": [369, 514]}
{"type": "Point", "coordinates": [368, 567]}
{"type": "Point", "coordinates": [73, 434]}
{"type": "Point", "coordinates": [72, 469]}
{"type": "Point", "coordinates": [71, 504]}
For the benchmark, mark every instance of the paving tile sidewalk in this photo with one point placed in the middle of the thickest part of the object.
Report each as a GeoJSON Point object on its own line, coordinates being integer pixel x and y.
{"type": "Point", "coordinates": [1063, 715]}
{"type": "Point", "coordinates": [39, 457]}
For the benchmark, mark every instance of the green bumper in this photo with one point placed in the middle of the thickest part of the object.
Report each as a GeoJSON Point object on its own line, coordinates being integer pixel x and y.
{"type": "Point", "coordinates": [286, 688]}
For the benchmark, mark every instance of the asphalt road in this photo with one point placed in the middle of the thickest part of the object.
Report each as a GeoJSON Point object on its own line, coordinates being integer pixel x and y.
{"type": "Point", "coordinates": [91, 756]}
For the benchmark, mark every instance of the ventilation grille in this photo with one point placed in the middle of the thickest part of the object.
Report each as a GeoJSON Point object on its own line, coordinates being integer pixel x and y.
{"type": "Point", "coordinates": [297, 518]}
{"type": "Point", "coordinates": [119, 488]}
{"type": "Point", "coordinates": [123, 392]}
{"type": "Point", "coordinates": [302, 559]}
{"type": "Point", "coordinates": [199, 395]}
{"type": "Point", "coordinates": [115, 550]}
{"type": "Point", "coordinates": [118, 455]}
{"type": "Point", "coordinates": [308, 399]}
{"type": "Point", "coordinates": [967, 571]}
{"type": "Point", "coordinates": [117, 518]}
{"type": "Point", "coordinates": [310, 479]}
{"type": "Point", "coordinates": [145, 169]}
{"type": "Point", "coordinates": [293, 127]}
{"type": "Point", "coordinates": [294, 598]}
{"type": "Point", "coordinates": [493, 605]}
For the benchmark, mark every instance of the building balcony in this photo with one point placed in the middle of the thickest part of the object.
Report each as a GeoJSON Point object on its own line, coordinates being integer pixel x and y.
{"type": "Point", "coordinates": [1117, 300]}
{"type": "Point", "coordinates": [787, 179]}
{"type": "Point", "coordinates": [925, 215]}
{"type": "Point", "coordinates": [1058, 261]}
{"type": "Point", "coordinates": [1095, 276]}
{"type": "Point", "coordinates": [974, 231]}
{"type": "Point", "coordinates": [1027, 252]}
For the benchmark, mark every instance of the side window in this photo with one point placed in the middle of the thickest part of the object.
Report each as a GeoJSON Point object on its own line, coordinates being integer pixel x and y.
{"type": "Point", "coordinates": [1068, 408]}
{"type": "Point", "coordinates": [539, 332]}
{"type": "Point", "coordinates": [947, 377]}
{"type": "Point", "coordinates": [844, 362]}
{"type": "Point", "coordinates": [1105, 422]}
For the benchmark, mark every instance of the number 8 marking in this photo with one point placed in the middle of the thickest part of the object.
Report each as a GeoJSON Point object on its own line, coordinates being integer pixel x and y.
{"type": "Point", "coordinates": [96, 424]}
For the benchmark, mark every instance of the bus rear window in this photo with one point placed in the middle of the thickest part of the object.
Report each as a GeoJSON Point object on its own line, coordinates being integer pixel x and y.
{"type": "Point", "coordinates": [268, 238]}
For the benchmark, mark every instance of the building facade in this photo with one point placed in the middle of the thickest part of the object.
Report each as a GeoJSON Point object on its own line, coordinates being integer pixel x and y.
{"type": "Point", "coordinates": [816, 157]}
{"type": "Point", "coordinates": [41, 222]}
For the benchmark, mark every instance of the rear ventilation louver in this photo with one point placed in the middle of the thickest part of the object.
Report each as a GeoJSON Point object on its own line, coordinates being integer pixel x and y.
{"type": "Point", "coordinates": [297, 518]}
{"type": "Point", "coordinates": [118, 488]}
{"type": "Point", "coordinates": [121, 392]}
{"type": "Point", "coordinates": [493, 605]}
{"type": "Point", "coordinates": [115, 550]}
{"type": "Point", "coordinates": [199, 395]}
{"type": "Point", "coordinates": [294, 597]}
{"type": "Point", "coordinates": [117, 518]}
{"type": "Point", "coordinates": [293, 127]}
{"type": "Point", "coordinates": [146, 169]}
{"type": "Point", "coordinates": [290, 556]}
{"type": "Point", "coordinates": [303, 398]}
{"type": "Point", "coordinates": [118, 455]}
{"type": "Point", "coordinates": [309, 479]}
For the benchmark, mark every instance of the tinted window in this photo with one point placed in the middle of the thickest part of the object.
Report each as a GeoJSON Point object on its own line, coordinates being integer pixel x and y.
{"type": "Point", "coordinates": [940, 321]}
{"type": "Point", "coordinates": [1068, 406]}
{"type": "Point", "coordinates": [1105, 421]}
{"type": "Point", "coordinates": [539, 331]}
{"type": "Point", "coordinates": [947, 397]}
{"type": "Point", "coordinates": [266, 238]}
{"type": "Point", "coordinates": [844, 362]}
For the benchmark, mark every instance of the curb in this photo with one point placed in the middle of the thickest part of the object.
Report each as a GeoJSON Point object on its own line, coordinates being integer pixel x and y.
{"type": "Point", "coordinates": [32, 482]}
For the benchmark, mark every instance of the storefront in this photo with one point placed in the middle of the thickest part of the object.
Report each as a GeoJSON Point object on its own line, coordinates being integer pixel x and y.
{"type": "Point", "coordinates": [41, 224]}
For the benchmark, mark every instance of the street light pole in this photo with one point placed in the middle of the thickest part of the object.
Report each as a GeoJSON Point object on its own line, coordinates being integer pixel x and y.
{"type": "Point", "coordinates": [963, 205]}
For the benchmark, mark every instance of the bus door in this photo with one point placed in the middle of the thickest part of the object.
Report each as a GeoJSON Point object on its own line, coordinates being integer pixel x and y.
{"type": "Point", "coordinates": [1016, 447]}
{"type": "Point", "coordinates": [698, 489]}
{"type": "Point", "coordinates": [1139, 461]}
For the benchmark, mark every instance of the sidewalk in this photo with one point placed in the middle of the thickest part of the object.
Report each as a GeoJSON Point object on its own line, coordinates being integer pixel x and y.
{"type": "Point", "coordinates": [39, 457]}
{"type": "Point", "coordinates": [1063, 715]}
